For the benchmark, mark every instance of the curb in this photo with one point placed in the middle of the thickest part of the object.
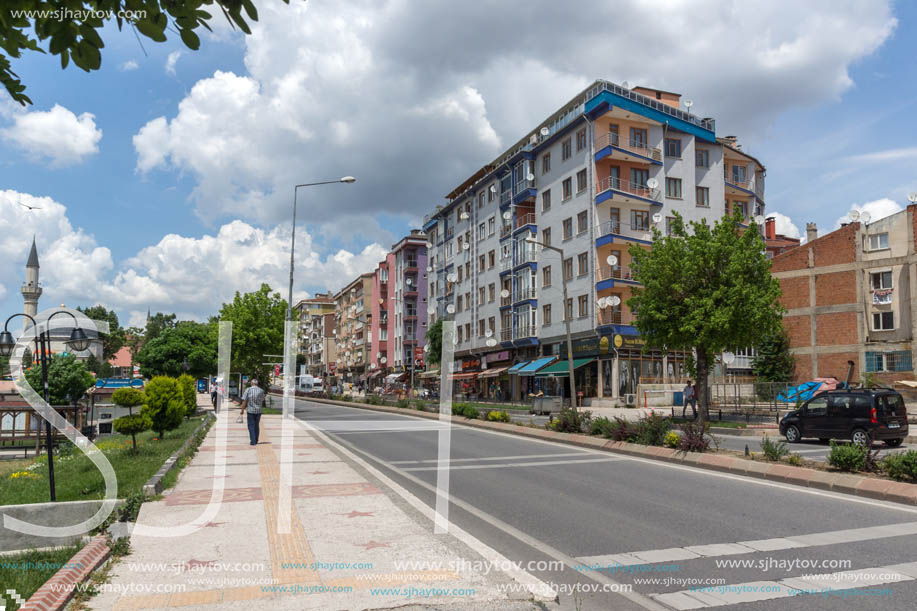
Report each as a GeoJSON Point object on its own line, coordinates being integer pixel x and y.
{"type": "Point", "coordinates": [57, 591]}
{"type": "Point", "coordinates": [154, 484]}
{"type": "Point", "coordinates": [844, 483]}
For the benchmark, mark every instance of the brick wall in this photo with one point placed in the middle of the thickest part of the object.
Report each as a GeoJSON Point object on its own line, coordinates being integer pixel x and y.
{"type": "Point", "coordinates": [835, 329]}
{"type": "Point", "coordinates": [793, 259]}
{"type": "Point", "coordinates": [795, 292]}
{"type": "Point", "coordinates": [798, 329]}
{"type": "Point", "coordinates": [836, 288]}
{"type": "Point", "coordinates": [803, 367]}
{"type": "Point", "coordinates": [836, 365]}
{"type": "Point", "coordinates": [837, 247]}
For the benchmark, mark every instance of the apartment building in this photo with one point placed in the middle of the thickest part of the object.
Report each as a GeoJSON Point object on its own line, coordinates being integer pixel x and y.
{"type": "Point", "coordinates": [777, 243]}
{"type": "Point", "coordinates": [313, 343]}
{"type": "Point", "coordinates": [353, 318]}
{"type": "Point", "coordinates": [849, 297]}
{"type": "Point", "coordinates": [591, 180]}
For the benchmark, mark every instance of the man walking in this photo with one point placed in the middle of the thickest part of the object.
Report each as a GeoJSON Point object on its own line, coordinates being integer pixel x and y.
{"type": "Point", "coordinates": [689, 398]}
{"type": "Point", "coordinates": [252, 399]}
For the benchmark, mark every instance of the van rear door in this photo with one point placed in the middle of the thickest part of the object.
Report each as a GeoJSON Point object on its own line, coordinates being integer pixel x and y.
{"type": "Point", "coordinates": [893, 415]}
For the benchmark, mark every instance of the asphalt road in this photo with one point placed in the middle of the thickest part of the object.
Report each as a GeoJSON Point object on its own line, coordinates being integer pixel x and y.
{"type": "Point", "coordinates": [809, 449]}
{"type": "Point", "coordinates": [533, 500]}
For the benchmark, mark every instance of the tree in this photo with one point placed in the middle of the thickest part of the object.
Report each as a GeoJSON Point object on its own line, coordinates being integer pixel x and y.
{"type": "Point", "coordinates": [102, 369]}
{"type": "Point", "coordinates": [187, 340]}
{"type": "Point", "coordinates": [257, 329]}
{"type": "Point", "coordinates": [164, 404]}
{"type": "Point", "coordinates": [434, 338]}
{"type": "Point", "coordinates": [774, 362]}
{"type": "Point", "coordinates": [710, 289]}
{"type": "Point", "coordinates": [156, 324]}
{"type": "Point", "coordinates": [68, 379]}
{"type": "Point", "coordinates": [71, 28]}
{"type": "Point", "coordinates": [189, 394]}
{"type": "Point", "coordinates": [114, 340]}
{"type": "Point", "coordinates": [131, 424]}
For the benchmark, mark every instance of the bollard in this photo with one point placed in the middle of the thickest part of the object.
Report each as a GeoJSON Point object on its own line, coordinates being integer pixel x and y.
{"type": "Point", "coordinates": [746, 450]}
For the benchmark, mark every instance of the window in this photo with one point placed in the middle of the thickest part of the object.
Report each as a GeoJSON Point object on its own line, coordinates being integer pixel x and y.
{"type": "Point", "coordinates": [492, 324]}
{"type": "Point", "coordinates": [468, 331]}
{"type": "Point", "coordinates": [491, 259]}
{"type": "Point", "coordinates": [582, 222]}
{"type": "Point", "coordinates": [668, 224]}
{"type": "Point", "coordinates": [638, 137]}
{"type": "Point", "coordinates": [738, 174]}
{"type": "Point", "coordinates": [546, 236]}
{"type": "Point", "coordinates": [878, 241]}
{"type": "Point", "coordinates": [546, 164]}
{"type": "Point", "coordinates": [480, 264]}
{"type": "Point", "coordinates": [491, 226]}
{"type": "Point", "coordinates": [640, 220]}
{"type": "Point", "coordinates": [673, 147]}
{"type": "Point", "coordinates": [566, 150]}
{"type": "Point", "coordinates": [491, 292]}
{"type": "Point", "coordinates": [468, 269]}
{"type": "Point", "coordinates": [459, 334]}
{"type": "Point", "coordinates": [568, 228]}
{"type": "Point", "coordinates": [581, 181]}
{"type": "Point", "coordinates": [568, 188]}
{"type": "Point", "coordinates": [703, 196]}
{"type": "Point", "coordinates": [458, 304]}
{"type": "Point", "coordinates": [482, 231]}
{"type": "Point", "coordinates": [883, 321]}
{"type": "Point", "coordinates": [459, 273]}
{"type": "Point", "coordinates": [580, 140]}
{"type": "Point", "coordinates": [481, 199]}
{"type": "Point", "coordinates": [546, 201]}
{"type": "Point", "coordinates": [583, 262]}
{"type": "Point", "coordinates": [568, 268]}
{"type": "Point", "coordinates": [491, 192]}
{"type": "Point", "coordinates": [460, 243]}
{"type": "Point", "coordinates": [881, 280]}
{"type": "Point", "coordinates": [889, 361]}
{"type": "Point", "coordinates": [468, 303]}
{"type": "Point", "coordinates": [546, 276]}
{"type": "Point", "coordinates": [673, 187]}
{"type": "Point", "coordinates": [817, 406]}
{"type": "Point", "coordinates": [741, 206]}
{"type": "Point", "coordinates": [639, 177]}
{"type": "Point", "coordinates": [702, 158]}
{"type": "Point", "coordinates": [481, 294]}
{"type": "Point", "coordinates": [546, 314]}
{"type": "Point", "coordinates": [481, 324]}
{"type": "Point", "coordinates": [583, 305]}
{"type": "Point", "coordinates": [568, 310]}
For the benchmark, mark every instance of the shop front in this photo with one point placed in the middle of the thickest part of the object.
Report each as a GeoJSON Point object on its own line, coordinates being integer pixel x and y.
{"type": "Point", "coordinates": [526, 382]}
{"type": "Point", "coordinates": [494, 382]}
{"type": "Point", "coordinates": [595, 356]}
{"type": "Point", "coordinates": [634, 364]}
{"type": "Point", "coordinates": [464, 380]}
{"type": "Point", "coordinates": [555, 377]}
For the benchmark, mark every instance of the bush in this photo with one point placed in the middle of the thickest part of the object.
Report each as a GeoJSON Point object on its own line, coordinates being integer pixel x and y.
{"type": "Point", "coordinates": [419, 406]}
{"type": "Point", "coordinates": [671, 439]}
{"type": "Point", "coordinates": [375, 400]}
{"type": "Point", "coordinates": [498, 416]}
{"type": "Point", "coordinates": [187, 386]}
{"type": "Point", "coordinates": [901, 466]}
{"type": "Point", "coordinates": [794, 459]}
{"type": "Point", "coordinates": [570, 420]}
{"type": "Point", "coordinates": [601, 426]}
{"type": "Point", "coordinates": [652, 430]}
{"type": "Point", "coordinates": [458, 409]}
{"type": "Point", "coordinates": [622, 430]}
{"type": "Point", "coordinates": [404, 403]}
{"type": "Point", "coordinates": [164, 404]}
{"type": "Point", "coordinates": [693, 438]}
{"type": "Point", "coordinates": [773, 450]}
{"type": "Point", "coordinates": [471, 412]}
{"type": "Point", "coordinates": [132, 425]}
{"type": "Point", "coordinates": [127, 397]}
{"type": "Point", "coordinates": [847, 457]}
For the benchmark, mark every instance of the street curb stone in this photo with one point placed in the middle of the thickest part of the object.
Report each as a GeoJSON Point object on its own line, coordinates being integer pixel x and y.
{"type": "Point", "coordinates": [844, 483]}
{"type": "Point", "coordinates": [154, 484]}
{"type": "Point", "coordinates": [57, 591]}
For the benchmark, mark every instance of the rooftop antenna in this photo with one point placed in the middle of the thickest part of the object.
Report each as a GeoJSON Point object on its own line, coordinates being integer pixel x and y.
{"type": "Point", "coordinates": [545, 132]}
{"type": "Point", "coordinates": [864, 218]}
{"type": "Point", "coordinates": [689, 104]}
{"type": "Point", "coordinates": [853, 215]}
{"type": "Point", "coordinates": [912, 198]}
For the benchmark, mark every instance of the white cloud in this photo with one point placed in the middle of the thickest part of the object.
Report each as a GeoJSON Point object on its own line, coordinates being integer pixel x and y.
{"type": "Point", "coordinates": [897, 154]}
{"type": "Point", "coordinates": [128, 66]}
{"type": "Point", "coordinates": [57, 135]}
{"type": "Point", "coordinates": [877, 209]}
{"type": "Point", "coordinates": [784, 225]}
{"type": "Point", "coordinates": [171, 61]}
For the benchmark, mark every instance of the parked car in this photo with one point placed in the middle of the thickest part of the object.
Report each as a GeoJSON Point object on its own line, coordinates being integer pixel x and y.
{"type": "Point", "coordinates": [854, 414]}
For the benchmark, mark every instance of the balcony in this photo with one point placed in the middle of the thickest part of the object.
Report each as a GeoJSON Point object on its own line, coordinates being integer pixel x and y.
{"type": "Point", "coordinates": [618, 90]}
{"type": "Point", "coordinates": [506, 197]}
{"type": "Point", "coordinates": [506, 334]}
{"type": "Point", "coordinates": [506, 301]}
{"type": "Point", "coordinates": [525, 219]}
{"type": "Point", "coordinates": [523, 185]}
{"type": "Point", "coordinates": [628, 189]}
{"type": "Point", "coordinates": [450, 233]}
{"type": "Point", "coordinates": [506, 264]}
{"type": "Point", "coordinates": [525, 293]}
{"type": "Point", "coordinates": [609, 316]}
{"type": "Point", "coordinates": [524, 331]}
{"type": "Point", "coordinates": [636, 232]}
{"type": "Point", "coordinates": [617, 272]}
{"type": "Point", "coordinates": [626, 149]}
{"type": "Point", "coordinates": [505, 230]}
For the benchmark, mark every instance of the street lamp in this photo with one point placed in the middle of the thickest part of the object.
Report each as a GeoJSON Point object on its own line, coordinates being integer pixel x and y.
{"type": "Point", "coordinates": [78, 341]}
{"type": "Point", "coordinates": [345, 179]}
{"type": "Point", "coordinates": [531, 240]}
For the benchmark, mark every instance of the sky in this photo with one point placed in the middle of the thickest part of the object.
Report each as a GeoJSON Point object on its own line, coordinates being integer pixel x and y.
{"type": "Point", "coordinates": [165, 180]}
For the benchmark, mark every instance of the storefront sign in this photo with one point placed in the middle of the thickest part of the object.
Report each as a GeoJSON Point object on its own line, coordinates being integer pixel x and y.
{"type": "Point", "coordinates": [474, 363]}
{"type": "Point", "coordinates": [588, 346]}
{"type": "Point", "coordinates": [493, 357]}
{"type": "Point", "coordinates": [629, 341]}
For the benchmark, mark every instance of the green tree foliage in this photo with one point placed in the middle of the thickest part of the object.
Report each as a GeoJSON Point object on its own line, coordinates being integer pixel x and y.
{"type": "Point", "coordinates": [131, 424]}
{"type": "Point", "coordinates": [774, 361]}
{"type": "Point", "coordinates": [167, 350]}
{"type": "Point", "coordinates": [114, 340]}
{"type": "Point", "coordinates": [707, 288]}
{"type": "Point", "coordinates": [68, 379]}
{"type": "Point", "coordinates": [102, 369]}
{"type": "Point", "coordinates": [434, 339]}
{"type": "Point", "coordinates": [257, 330]}
{"type": "Point", "coordinates": [75, 34]}
{"type": "Point", "coordinates": [157, 323]}
{"type": "Point", "coordinates": [188, 388]}
{"type": "Point", "coordinates": [164, 404]}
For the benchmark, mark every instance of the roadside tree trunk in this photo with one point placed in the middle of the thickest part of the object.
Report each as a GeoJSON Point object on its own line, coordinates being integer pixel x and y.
{"type": "Point", "coordinates": [703, 393]}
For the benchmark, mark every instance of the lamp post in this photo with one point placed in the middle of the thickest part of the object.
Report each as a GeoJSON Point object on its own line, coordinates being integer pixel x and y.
{"type": "Point", "coordinates": [531, 240]}
{"type": "Point", "coordinates": [79, 341]}
{"type": "Point", "coordinates": [345, 179]}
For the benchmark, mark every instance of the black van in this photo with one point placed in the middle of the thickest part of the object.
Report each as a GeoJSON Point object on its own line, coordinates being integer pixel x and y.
{"type": "Point", "coordinates": [854, 414]}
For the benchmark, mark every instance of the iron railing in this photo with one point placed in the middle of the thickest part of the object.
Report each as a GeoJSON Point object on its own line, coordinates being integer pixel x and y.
{"type": "Point", "coordinates": [628, 187]}
{"type": "Point", "coordinates": [638, 147]}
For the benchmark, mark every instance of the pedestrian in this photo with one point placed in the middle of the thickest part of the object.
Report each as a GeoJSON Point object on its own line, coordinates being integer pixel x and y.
{"type": "Point", "coordinates": [213, 394]}
{"type": "Point", "coordinates": [252, 399]}
{"type": "Point", "coordinates": [689, 398]}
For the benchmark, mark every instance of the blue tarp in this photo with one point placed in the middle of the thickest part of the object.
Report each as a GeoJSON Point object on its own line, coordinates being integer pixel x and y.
{"type": "Point", "coordinates": [802, 392]}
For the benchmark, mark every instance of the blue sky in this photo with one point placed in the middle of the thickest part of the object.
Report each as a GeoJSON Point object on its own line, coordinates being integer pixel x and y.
{"type": "Point", "coordinates": [183, 197]}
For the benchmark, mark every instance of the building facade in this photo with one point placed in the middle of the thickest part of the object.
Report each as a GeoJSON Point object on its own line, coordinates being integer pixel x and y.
{"type": "Point", "coordinates": [313, 336]}
{"type": "Point", "coordinates": [591, 180]}
{"type": "Point", "coordinates": [849, 297]}
{"type": "Point", "coordinates": [353, 320]}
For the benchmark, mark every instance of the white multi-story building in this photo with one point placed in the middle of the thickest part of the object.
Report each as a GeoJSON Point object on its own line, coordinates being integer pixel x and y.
{"type": "Point", "coordinates": [590, 180]}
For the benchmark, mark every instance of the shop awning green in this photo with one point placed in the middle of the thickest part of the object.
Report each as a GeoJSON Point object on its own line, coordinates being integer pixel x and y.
{"type": "Point", "coordinates": [560, 368]}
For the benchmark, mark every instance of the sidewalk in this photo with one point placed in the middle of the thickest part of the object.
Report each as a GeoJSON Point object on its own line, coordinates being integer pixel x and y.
{"type": "Point", "coordinates": [340, 515]}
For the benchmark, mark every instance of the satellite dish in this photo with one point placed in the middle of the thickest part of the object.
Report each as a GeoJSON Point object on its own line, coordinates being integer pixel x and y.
{"type": "Point", "coordinates": [689, 103]}
{"type": "Point", "coordinates": [450, 309]}
{"type": "Point", "coordinates": [759, 219]}
{"type": "Point", "coordinates": [614, 300]}
{"type": "Point", "coordinates": [466, 246]}
{"type": "Point", "coordinates": [383, 360]}
{"type": "Point", "coordinates": [464, 216]}
{"type": "Point", "coordinates": [611, 260]}
{"type": "Point", "coordinates": [603, 302]}
{"type": "Point", "coordinates": [429, 268]}
{"type": "Point", "coordinates": [652, 183]}
{"type": "Point", "coordinates": [409, 281]}
{"type": "Point", "coordinates": [729, 357]}
{"type": "Point", "coordinates": [491, 342]}
{"type": "Point", "coordinates": [533, 139]}
{"type": "Point", "coordinates": [626, 85]}
{"type": "Point", "coordinates": [657, 218]}
{"type": "Point", "coordinates": [853, 215]}
{"type": "Point", "coordinates": [530, 177]}
{"type": "Point", "coordinates": [493, 188]}
{"type": "Point", "coordinates": [452, 277]}
{"type": "Point", "coordinates": [504, 293]}
{"type": "Point", "coordinates": [865, 217]}
{"type": "Point", "coordinates": [507, 215]}
{"type": "Point", "coordinates": [912, 198]}
{"type": "Point", "coordinates": [489, 333]}
{"type": "Point", "coordinates": [545, 131]}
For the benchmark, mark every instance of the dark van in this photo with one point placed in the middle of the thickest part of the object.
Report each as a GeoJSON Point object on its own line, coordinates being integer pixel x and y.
{"type": "Point", "coordinates": [854, 414]}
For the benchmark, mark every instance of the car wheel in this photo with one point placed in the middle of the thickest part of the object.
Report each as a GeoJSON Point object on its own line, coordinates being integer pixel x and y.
{"type": "Point", "coordinates": [894, 443]}
{"type": "Point", "coordinates": [824, 439]}
{"type": "Point", "coordinates": [859, 437]}
{"type": "Point", "coordinates": [792, 434]}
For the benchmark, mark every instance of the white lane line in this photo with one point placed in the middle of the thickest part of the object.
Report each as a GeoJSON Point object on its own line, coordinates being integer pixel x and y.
{"type": "Point", "coordinates": [514, 464]}
{"type": "Point", "coordinates": [818, 584]}
{"type": "Point", "coordinates": [746, 547]}
{"type": "Point", "coordinates": [516, 457]}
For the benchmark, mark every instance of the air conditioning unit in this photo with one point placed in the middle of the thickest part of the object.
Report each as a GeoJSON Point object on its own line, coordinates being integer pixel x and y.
{"type": "Point", "coordinates": [630, 399]}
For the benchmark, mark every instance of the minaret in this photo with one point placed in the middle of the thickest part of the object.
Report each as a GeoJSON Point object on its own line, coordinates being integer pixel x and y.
{"type": "Point", "coordinates": [31, 289]}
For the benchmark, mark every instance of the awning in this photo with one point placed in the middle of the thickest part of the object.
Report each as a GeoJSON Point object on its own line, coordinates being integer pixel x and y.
{"type": "Point", "coordinates": [560, 368]}
{"type": "Point", "coordinates": [515, 368]}
{"type": "Point", "coordinates": [374, 374]}
{"type": "Point", "coordinates": [535, 365]}
{"type": "Point", "coordinates": [429, 374]}
{"type": "Point", "coordinates": [465, 376]}
{"type": "Point", "coordinates": [492, 373]}
{"type": "Point", "coordinates": [394, 377]}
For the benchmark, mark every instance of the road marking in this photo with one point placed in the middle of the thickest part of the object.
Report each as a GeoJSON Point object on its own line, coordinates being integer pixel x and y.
{"type": "Point", "coordinates": [754, 591]}
{"type": "Point", "coordinates": [455, 460]}
{"type": "Point", "coordinates": [514, 464]}
{"type": "Point", "coordinates": [746, 547]}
